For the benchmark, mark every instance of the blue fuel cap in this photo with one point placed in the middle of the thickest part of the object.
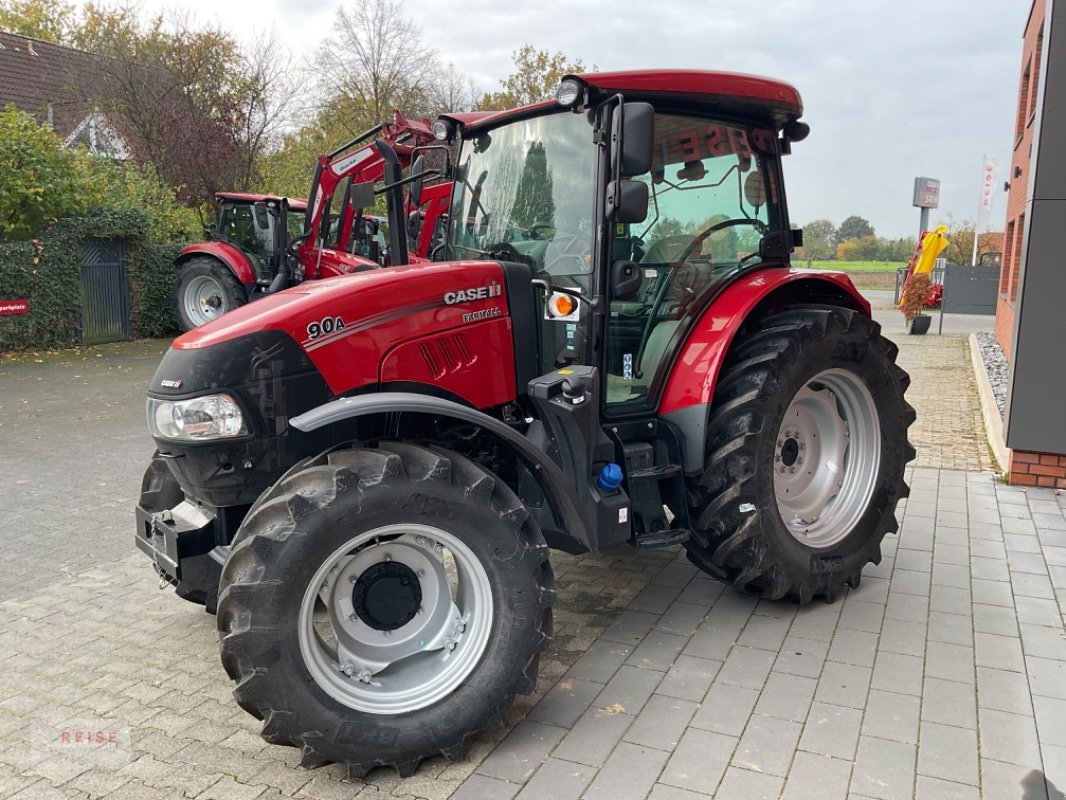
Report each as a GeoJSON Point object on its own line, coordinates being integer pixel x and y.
{"type": "Point", "coordinates": [610, 478]}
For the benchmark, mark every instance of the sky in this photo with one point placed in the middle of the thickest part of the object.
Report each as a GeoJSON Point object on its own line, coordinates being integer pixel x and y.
{"type": "Point", "coordinates": [892, 89]}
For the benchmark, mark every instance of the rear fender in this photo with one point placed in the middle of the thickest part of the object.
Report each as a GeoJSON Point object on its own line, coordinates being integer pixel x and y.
{"type": "Point", "coordinates": [225, 252]}
{"type": "Point", "coordinates": [694, 374]}
{"type": "Point", "coordinates": [555, 486]}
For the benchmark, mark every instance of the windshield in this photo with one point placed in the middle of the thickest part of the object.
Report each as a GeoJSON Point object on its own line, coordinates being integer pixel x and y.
{"type": "Point", "coordinates": [525, 192]}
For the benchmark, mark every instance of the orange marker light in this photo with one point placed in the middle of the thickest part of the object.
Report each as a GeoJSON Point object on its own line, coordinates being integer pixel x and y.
{"type": "Point", "coordinates": [562, 305]}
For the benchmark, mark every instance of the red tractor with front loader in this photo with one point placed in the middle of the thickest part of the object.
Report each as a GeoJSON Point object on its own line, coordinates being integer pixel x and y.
{"type": "Point", "coordinates": [368, 475]}
{"type": "Point", "coordinates": [263, 243]}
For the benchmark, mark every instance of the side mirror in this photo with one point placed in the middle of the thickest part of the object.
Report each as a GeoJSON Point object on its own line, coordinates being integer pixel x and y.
{"type": "Point", "coordinates": [414, 225]}
{"type": "Point", "coordinates": [797, 237]}
{"type": "Point", "coordinates": [417, 170]}
{"type": "Point", "coordinates": [361, 195]}
{"type": "Point", "coordinates": [626, 279]}
{"type": "Point", "coordinates": [638, 136]}
{"type": "Point", "coordinates": [262, 220]}
{"type": "Point", "coordinates": [627, 201]}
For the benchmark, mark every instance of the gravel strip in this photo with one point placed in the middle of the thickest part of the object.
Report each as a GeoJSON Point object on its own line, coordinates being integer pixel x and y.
{"type": "Point", "coordinates": [996, 364]}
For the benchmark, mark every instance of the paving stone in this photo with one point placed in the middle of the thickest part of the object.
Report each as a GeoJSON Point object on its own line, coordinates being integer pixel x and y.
{"type": "Point", "coordinates": [661, 723]}
{"type": "Point", "coordinates": [594, 736]}
{"type": "Point", "coordinates": [801, 656]}
{"type": "Point", "coordinates": [949, 703]}
{"type": "Point", "coordinates": [713, 640]}
{"type": "Point", "coordinates": [630, 626]}
{"type": "Point", "coordinates": [832, 731]}
{"type": "Point", "coordinates": [1047, 677]}
{"type": "Point", "coordinates": [993, 568]}
{"type": "Point", "coordinates": [482, 787]}
{"type": "Point", "coordinates": [1008, 737]}
{"type": "Point", "coordinates": [999, 652]}
{"type": "Point", "coordinates": [522, 752]}
{"type": "Point", "coordinates": [907, 581]}
{"type": "Point", "coordinates": [1043, 642]}
{"type": "Point", "coordinates": [1038, 611]}
{"type": "Point", "coordinates": [699, 762]}
{"type": "Point", "coordinates": [628, 774]}
{"type": "Point", "coordinates": [906, 638]}
{"type": "Point", "coordinates": [746, 666]}
{"type": "Point", "coordinates": [895, 672]}
{"type": "Point", "coordinates": [689, 678]}
{"type": "Point", "coordinates": [661, 791]}
{"type": "Point", "coordinates": [682, 618]}
{"type": "Point", "coordinates": [927, 788]}
{"type": "Point", "coordinates": [600, 661]}
{"type": "Point", "coordinates": [947, 752]}
{"type": "Point", "coordinates": [998, 620]}
{"type": "Point", "coordinates": [950, 600]}
{"type": "Point", "coordinates": [1001, 690]}
{"type": "Point", "coordinates": [743, 784]}
{"type": "Point", "coordinates": [558, 780]}
{"type": "Point", "coordinates": [815, 777]}
{"type": "Point", "coordinates": [907, 607]}
{"type": "Point", "coordinates": [767, 745]}
{"type": "Point", "coordinates": [883, 769]}
{"type": "Point", "coordinates": [565, 703]}
{"type": "Point", "coordinates": [951, 662]}
{"type": "Point", "coordinates": [629, 689]}
{"type": "Point", "coordinates": [657, 651]}
{"type": "Point", "coordinates": [765, 633]}
{"type": "Point", "coordinates": [951, 628]}
{"type": "Point", "coordinates": [816, 622]}
{"type": "Point", "coordinates": [786, 696]}
{"type": "Point", "coordinates": [861, 616]}
{"type": "Point", "coordinates": [843, 684]}
{"type": "Point", "coordinates": [726, 709]}
{"type": "Point", "coordinates": [854, 647]}
{"type": "Point", "coordinates": [892, 716]}
{"type": "Point", "coordinates": [1051, 720]}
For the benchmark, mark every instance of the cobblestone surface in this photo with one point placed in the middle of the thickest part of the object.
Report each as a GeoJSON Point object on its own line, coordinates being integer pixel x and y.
{"type": "Point", "coordinates": [942, 676]}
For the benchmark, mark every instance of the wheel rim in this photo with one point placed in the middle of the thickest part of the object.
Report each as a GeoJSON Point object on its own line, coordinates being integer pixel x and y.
{"type": "Point", "coordinates": [827, 457]}
{"type": "Point", "coordinates": [205, 299]}
{"type": "Point", "coordinates": [395, 619]}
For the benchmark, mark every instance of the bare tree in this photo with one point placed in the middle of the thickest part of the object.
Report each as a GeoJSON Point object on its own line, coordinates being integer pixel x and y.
{"type": "Point", "coordinates": [378, 61]}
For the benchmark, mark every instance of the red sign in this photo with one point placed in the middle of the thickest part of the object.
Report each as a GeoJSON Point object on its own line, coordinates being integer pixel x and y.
{"type": "Point", "coordinates": [9, 308]}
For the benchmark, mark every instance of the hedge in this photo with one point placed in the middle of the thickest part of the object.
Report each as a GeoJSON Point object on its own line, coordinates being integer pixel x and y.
{"type": "Point", "coordinates": [46, 271]}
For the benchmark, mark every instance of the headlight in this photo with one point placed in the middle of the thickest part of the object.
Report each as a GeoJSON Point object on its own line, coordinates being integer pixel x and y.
{"type": "Point", "coordinates": [198, 419]}
{"type": "Point", "coordinates": [568, 92]}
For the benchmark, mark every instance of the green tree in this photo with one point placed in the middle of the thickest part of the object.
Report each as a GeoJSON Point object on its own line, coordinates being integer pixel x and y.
{"type": "Point", "coordinates": [854, 227]}
{"type": "Point", "coordinates": [49, 20]}
{"type": "Point", "coordinates": [818, 241]}
{"type": "Point", "coordinates": [533, 197]}
{"type": "Point", "coordinates": [536, 74]}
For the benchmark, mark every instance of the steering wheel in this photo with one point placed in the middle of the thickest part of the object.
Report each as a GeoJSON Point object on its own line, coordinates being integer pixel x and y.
{"type": "Point", "coordinates": [684, 274]}
{"type": "Point", "coordinates": [701, 237]}
{"type": "Point", "coordinates": [533, 229]}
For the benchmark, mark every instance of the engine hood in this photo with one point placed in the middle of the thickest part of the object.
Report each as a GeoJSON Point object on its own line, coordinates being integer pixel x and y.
{"type": "Point", "coordinates": [346, 325]}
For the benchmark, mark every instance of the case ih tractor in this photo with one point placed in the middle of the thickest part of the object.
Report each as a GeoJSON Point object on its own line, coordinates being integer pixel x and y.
{"type": "Point", "coordinates": [368, 475]}
{"type": "Point", "coordinates": [264, 243]}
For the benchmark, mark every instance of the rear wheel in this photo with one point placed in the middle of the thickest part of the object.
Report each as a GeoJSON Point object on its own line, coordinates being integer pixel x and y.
{"type": "Point", "coordinates": [380, 605]}
{"type": "Point", "coordinates": [807, 443]}
{"type": "Point", "coordinates": [206, 290]}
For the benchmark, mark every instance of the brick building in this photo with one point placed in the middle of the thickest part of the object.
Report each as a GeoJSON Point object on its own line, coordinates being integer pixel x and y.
{"type": "Point", "coordinates": [1030, 324]}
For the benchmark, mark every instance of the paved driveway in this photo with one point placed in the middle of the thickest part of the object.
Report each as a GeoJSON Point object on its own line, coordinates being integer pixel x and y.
{"type": "Point", "coordinates": [942, 676]}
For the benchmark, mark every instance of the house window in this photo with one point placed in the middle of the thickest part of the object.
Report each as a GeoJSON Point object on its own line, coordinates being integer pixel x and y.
{"type": "Point", "coordinates": [1023, 103]}
{"type": "Point", "coordinates": [1016, 257]}
{"type": "Point", "coordinates": [1008, 254]}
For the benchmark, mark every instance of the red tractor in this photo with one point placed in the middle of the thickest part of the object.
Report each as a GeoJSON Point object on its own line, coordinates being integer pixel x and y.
{"type": "Point", "coordinates": [368, 475]}
{"type": "Point", "coordinates": [265, 243]}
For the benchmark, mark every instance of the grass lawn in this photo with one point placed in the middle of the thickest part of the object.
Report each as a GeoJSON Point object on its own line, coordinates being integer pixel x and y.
{"type": "Point", "coordinates": [857, 266]}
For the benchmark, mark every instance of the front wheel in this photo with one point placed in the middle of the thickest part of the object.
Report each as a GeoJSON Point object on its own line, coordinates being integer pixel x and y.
{"type": "Point", "coordinates": [807, 444]}
{"type": "Point", "coordinates": [206, 289]}
{"type": "Point", "coordinates": [379, 605]}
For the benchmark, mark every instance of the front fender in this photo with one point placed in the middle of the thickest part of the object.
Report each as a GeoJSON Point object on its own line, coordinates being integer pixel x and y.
{"type": "Point", "coordinates": [694, 374]}
{"type": "Point", "coordinates": [545, 471]}
{"type": "Point", "coordinates": [225, 252]}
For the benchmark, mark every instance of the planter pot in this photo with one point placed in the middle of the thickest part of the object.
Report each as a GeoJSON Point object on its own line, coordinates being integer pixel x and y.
{"type": "Point", "coordinates": [919, 325]}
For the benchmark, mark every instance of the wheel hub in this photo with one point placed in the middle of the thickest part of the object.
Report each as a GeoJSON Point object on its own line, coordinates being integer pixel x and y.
{"type": "Point", "coordinates": [387, 596]}
{"type": "Point", "coordinates": [827, 457]}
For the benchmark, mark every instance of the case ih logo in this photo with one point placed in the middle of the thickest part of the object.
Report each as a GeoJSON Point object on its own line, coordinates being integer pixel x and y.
{"type": "Point", "coordinates": [476, 293]}
{"type": "Point", "coordinates": [9, 308]}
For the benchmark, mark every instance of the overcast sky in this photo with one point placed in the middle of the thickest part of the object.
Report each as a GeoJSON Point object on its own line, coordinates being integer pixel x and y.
{"type": "Point", "coordinates": [891, 89]}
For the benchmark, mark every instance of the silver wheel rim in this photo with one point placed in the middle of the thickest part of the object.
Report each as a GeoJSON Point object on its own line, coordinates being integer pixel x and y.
{"type": "Point", "coordinates": [205, 299]}
{"type": "Point", "coordinates": [422, 660]}
{"type": "Point", "coordinates": [827, 457]}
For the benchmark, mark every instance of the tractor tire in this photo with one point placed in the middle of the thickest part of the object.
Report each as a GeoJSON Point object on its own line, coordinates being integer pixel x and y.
{"type": "Point", "coordinates": [206, 289]}
{"type": "Point", "coordinates": [200, 574]}
{"type": "Point", "coordinates": [381, 605]}
{"type": "Point", "coordinates": [807, 444]}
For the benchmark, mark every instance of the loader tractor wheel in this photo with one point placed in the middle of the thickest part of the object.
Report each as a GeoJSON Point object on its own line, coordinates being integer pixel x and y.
{"type": "Point", "coordinates": [200, 574]}
{"type": "Point", "coordinates": [206, 290]}
{"type": "Point", "coordinates": [806, 443]}
{"type": "Point", "coordinates": [380, 605]}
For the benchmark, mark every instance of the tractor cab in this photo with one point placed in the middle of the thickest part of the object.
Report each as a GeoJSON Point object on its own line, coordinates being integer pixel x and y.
{"type": "Point", "coordinates": [260, 227]}
{"type": "Point", "coordinates": [629, 242]}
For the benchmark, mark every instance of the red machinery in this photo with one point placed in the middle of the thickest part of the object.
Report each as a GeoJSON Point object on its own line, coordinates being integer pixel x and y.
{"type": "Point", "coordinates": [265, 243]}
{"type": "Point", "coordinates": [367, 475]}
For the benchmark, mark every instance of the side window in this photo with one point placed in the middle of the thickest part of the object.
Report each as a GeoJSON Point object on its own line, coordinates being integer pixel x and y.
{"type": "Point", "coordinates": [713, 197]}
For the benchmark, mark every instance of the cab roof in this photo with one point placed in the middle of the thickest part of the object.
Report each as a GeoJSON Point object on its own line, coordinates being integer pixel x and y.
{"type": "Point", "coordinates": [731, 90]}
{"type": "Point", "coordinates": [295, 203]}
